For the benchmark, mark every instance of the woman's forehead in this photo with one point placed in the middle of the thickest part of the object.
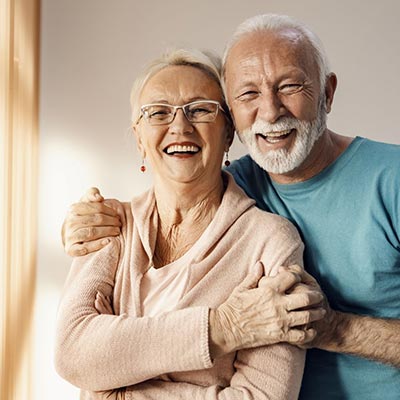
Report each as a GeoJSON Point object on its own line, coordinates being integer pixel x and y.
{"type": "Point", "coordinates": [181, 82]}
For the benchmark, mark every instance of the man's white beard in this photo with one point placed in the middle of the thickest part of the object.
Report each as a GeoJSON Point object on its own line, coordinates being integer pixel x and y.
{"type": "Point", "coordinates": [282, 161]}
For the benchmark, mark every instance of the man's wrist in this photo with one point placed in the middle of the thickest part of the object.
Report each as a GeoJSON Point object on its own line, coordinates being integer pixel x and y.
{"type": "Point", "coordinates": [334, 336]}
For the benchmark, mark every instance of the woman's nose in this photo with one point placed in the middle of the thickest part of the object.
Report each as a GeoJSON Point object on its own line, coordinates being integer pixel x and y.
{"type": "Point", "coordinates": [180, 124]}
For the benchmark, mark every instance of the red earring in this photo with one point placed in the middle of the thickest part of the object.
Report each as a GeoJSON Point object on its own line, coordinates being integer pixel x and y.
{"type": "Point", "coordinates": [143, 167]}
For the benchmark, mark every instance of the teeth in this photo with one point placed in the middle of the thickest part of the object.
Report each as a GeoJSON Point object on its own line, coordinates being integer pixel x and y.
{"type": "Point", "coordinates": [275, 137]}
{"type": "Point", "coordinates": [182, 149]}
{"type": "Point", "coordinates": [277, 134]}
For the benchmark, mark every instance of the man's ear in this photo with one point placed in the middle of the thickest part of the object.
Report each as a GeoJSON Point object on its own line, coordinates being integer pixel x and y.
{"type": "Point", "coordinates": [139, 143]}
{"type": "Point", "coordinates": [330, 89]}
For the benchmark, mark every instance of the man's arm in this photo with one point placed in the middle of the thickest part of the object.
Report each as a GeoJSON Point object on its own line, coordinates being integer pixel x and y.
{"type": "Point", "coordinates": [376, 339]}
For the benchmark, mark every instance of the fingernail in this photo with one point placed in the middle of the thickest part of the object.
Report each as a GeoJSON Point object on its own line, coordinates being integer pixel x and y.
{"type": "Point", "coordinates": [105, 241]}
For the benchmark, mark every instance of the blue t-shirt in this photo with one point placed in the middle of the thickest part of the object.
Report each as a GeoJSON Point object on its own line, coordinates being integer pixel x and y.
{"type": "Point", "coordinates": [349, 219]}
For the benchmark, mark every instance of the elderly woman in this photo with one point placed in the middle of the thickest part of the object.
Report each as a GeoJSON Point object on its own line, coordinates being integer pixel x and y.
{"type": "Point", "coordinates": [192, 312]}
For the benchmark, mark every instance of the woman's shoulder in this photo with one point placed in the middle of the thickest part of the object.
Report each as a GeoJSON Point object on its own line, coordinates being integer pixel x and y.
{"type": "Point", "coordinates": [127, 209]}
{"type": "Point", "coordinates": [268, 222]}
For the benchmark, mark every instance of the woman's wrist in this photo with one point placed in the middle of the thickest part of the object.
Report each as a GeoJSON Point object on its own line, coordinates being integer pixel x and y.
{"type": "Point", "coordinates": [216, 338]}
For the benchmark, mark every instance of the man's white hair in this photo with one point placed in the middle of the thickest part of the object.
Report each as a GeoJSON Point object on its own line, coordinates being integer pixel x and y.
{"type": "Point", "coordinates": [277, 23]}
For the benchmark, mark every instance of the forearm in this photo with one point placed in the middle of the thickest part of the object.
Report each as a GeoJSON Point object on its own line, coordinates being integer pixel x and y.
{"type": "Point", "coordinates": [272, 372]}
{"type": "Point", "coordinates": [105, 352]}
{"type": "Point", "coordinates": [373, 338]}
{"type": "Point", "coordinates": [102, 352]}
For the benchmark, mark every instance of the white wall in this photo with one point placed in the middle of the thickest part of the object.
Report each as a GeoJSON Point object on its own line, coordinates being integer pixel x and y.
{"type": "Point", "coordinates": [90, 53]}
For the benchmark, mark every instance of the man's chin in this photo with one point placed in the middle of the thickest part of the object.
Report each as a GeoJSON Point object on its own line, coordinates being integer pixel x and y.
{"type": "Point", "coordinates": [277, 162]}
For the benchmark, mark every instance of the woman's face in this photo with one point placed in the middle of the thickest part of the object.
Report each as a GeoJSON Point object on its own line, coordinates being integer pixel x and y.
{"type": "Point", "coordinates": [181, 150]}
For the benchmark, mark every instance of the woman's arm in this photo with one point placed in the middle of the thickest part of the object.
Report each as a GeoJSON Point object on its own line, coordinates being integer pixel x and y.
{"type": "Point", "coordinates": [101, 352]}
{"type": "Point", "coordinates": [272, 372]}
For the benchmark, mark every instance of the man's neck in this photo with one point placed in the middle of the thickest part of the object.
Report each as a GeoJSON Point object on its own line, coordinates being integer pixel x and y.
{"type": "Point", "coordinates": [325, 151]}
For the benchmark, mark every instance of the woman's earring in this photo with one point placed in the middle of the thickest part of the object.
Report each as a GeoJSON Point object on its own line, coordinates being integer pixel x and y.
{"type": "Point", "coordinates": [227, 162]}
{"type": "Point", "coordinates": [143, 167]}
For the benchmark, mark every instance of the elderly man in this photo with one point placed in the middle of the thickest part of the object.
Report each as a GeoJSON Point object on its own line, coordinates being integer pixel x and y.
{"type": "Point", "coordinates": [342, 193]}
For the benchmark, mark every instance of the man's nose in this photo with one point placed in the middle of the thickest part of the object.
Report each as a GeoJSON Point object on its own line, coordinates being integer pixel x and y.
{"type": "Point", "coordinates": [180, 124]}
{"type": "Point", "coordinates": [270, 107]}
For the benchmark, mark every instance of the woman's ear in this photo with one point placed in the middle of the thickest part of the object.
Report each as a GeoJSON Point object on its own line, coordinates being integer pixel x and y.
{"type": "Point", "coordinates": [230, 134]}
{"type": "Point", "coordinates": [139, 143]}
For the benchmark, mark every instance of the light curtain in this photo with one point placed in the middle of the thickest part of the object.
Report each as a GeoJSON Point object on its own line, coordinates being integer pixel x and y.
{"type": "Point", "coordinates": [19, 48]}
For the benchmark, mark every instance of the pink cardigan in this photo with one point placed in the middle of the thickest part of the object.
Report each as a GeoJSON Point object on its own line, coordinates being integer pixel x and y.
{"type": "Point", "coordinates": [167, 356]}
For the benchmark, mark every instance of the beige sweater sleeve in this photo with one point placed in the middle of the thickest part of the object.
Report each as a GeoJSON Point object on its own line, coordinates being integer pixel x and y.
{"type": "Point", "coordinates": [272, 373]}
{"type": "Point", "coordinates": [101, 352]}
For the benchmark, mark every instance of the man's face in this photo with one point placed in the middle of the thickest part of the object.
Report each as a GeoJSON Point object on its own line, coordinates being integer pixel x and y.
{"type": "Point", "coordinates": [274, 94]}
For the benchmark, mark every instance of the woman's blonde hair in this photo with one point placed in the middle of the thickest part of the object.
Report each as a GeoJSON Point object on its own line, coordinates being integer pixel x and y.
{"type": "Point", "coordinates": [204, 60]}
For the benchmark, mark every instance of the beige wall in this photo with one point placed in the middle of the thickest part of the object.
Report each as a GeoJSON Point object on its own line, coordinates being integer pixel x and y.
{"type": "Point", "coordinates": [90, 53]}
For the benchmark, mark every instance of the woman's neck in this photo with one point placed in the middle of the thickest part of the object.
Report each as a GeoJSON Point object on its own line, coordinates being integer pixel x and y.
{"type": "Point", "coordinates": [177, 203]}
{"type": "Point", "coordinates": [184, 212]}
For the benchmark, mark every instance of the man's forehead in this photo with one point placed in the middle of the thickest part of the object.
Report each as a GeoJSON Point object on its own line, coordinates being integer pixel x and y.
{"type": "Point", "coordinates": [286, 45]}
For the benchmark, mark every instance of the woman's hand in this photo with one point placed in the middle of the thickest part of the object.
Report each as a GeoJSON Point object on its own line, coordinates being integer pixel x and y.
{"type": "Point", "coordinates": [103, 304]}
{"type": "Point", "coordinates": [88, 224]}
{"type": "Point", "coordinates": [261, 311]}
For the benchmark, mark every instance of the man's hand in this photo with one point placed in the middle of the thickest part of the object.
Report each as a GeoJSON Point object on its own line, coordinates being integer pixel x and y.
{"type": "Point", "coordinates": [324, 327]}
{"type": "Point", "coordinates": [88, 224]}
{"type": "Point", "coordinates": [260, 312]}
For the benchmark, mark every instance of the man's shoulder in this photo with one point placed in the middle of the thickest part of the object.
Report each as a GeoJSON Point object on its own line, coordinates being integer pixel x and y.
{"type": "Point", "coordinates": [248, 174]}
{"type": "Point", "coordinates": [242, 164]}
{"type": "Point", "coordinates": [377, 148]}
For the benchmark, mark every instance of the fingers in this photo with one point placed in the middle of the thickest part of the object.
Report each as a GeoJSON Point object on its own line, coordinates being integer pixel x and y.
{"type": "Point", "coordinates": [92, 208]}
{"type": "Point", "coordinates": [299, 337]}
{"type": "Point", "coordinates": [305, 299]}
{"type": "Point", "coordinates": [298, 318]}
{"type": "Point", "coordinates": [92, 194]}
{"type": "Point", "coordinates": [281, 282]}
{"type": "Point", "coordinates": [81, 249]}
{"type": "Point", "coordinates": [76, 222]}
{"type": "Point", "coordinates": [103, 304]}
{"type": "Point", "coordinates": [306, 278]}
{"type": "Point", "coordinates": [252, 279]}
{"type": "Point", "coordinates": [90, 233]}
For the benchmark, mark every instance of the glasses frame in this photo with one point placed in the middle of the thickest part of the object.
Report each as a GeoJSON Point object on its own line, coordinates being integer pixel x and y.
{"type": "Point", "coordinates": [176, 108]}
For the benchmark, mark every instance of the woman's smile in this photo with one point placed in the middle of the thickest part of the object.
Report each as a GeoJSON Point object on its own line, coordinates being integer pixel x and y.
{"type": "Point", "coordinates": [182, 150]}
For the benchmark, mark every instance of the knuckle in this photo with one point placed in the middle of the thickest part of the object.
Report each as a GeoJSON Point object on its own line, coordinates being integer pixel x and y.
{"type": "Point", "coordinates": [93, 190]}
{"type": "Point", "coordinates": [96, 219]}
{"type": "Point", "coordinates": [91, 231]}
{"type": "Point", "coordinates": [304, 299]}
{"type": "Point", "coordinates": [77, 250]}
{"type": "Point", "coordinates": [72, 209]}
{"type": "Point", "coordinates": [307, 318]}
{"type": "Point", "coordinates": [116, 231]}
{"type": "Point", "coordinates": [296, 268]}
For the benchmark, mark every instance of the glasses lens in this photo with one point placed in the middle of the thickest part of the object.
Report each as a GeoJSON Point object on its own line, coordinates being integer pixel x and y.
{"type": "Point", "coordinates": [201, 111]}
{"type": "Point", "coordinates": [158, 114]}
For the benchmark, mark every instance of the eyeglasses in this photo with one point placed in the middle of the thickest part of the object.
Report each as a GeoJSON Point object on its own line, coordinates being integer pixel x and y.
{"type": "Point", "coordinates": [196, 111]}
